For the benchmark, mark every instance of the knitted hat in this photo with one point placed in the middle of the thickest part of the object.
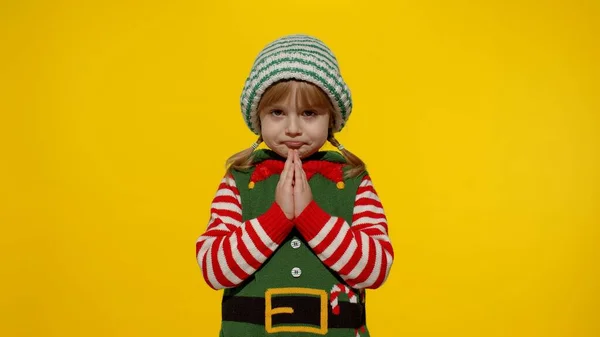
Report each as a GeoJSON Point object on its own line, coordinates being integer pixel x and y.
{"type": "Point", "coordinates": [299, 57]}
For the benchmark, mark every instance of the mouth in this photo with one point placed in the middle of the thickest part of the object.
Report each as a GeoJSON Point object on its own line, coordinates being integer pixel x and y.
{"type": "Point", "coordinates": [293, 145]}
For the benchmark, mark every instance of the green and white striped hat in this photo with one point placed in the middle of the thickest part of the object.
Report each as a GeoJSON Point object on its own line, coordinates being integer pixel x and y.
{"type": "Point", "coordinates": [300, 57]}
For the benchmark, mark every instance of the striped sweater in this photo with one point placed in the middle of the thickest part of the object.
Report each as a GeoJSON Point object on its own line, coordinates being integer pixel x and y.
{"type": "Point", "coordinates": [231, 250]}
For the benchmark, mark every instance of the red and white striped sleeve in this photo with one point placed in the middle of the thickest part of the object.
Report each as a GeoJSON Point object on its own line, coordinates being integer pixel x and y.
{"type": "Point", "coordinates": [231, 250]}
{"type": "Point", "coordinates": [361, 253]}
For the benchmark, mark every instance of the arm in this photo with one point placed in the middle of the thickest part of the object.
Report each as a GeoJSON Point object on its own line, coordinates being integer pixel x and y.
{"type": "Point", "coordinates": [360, 253]}
{"type": "Point", "coordinates": [231, 250]}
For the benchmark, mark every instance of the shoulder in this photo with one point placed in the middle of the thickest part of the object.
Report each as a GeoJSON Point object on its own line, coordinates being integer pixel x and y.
{"type": "Point", "coordinates": [365, 179]}
{"type": "Point", "coordinates": [357, 183]}
{"type": "Point", "coordinates": [228, 181]}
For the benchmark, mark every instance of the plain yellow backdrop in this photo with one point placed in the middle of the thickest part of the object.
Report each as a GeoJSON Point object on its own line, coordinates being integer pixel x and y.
{"type": "Point", "coordinates": [478, 120]}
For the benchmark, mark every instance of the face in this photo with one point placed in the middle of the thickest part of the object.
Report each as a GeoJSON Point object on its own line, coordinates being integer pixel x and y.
{"type": "Point", "coordinates": [286, 124]}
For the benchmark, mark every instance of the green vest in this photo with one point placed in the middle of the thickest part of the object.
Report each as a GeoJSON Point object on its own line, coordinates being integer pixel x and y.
{"type": "Point", "coordinates": [293, 269]}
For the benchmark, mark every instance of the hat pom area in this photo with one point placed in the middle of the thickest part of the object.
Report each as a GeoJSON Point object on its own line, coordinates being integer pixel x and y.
{"type": "Point", "coordinates": [299, 57]}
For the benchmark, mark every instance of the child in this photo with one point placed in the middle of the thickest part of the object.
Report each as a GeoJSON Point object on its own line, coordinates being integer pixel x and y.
{"type": "Point", "coordinates": [296, 235]}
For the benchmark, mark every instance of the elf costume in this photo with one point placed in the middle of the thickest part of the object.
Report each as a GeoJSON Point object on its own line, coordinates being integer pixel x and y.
{"type": "Point", "coordinates": [304, 277]}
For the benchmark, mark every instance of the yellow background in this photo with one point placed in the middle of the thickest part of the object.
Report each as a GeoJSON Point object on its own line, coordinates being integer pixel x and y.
{"type": "Point", "coordinates": [479, 122]}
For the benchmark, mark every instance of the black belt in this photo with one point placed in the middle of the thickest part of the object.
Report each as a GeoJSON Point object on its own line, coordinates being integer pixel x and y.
{"type": "Point", "coordinates": [306, 310]}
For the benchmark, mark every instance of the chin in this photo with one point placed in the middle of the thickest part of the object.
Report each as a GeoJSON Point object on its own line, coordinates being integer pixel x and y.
{"type": "Point", "coordinates": [308, 153]}
{"type": "Point", "coordinates": [282, 151]}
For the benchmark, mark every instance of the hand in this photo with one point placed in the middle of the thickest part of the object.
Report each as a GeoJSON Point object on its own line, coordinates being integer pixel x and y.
{"type": "Point", "coordinates": [302, 192]}
{"type": "Point", "coordinates": [284, 192]}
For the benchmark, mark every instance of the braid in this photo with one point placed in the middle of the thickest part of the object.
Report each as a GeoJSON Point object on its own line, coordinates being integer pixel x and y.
{"type": "Point", "coordinates": [357, 166]}
{"type": "Point", "coordinates": [243, 159]}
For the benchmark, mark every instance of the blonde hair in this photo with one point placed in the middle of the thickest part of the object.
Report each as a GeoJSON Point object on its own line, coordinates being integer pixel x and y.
{"type": "Point", "coordinates": [308, 95]}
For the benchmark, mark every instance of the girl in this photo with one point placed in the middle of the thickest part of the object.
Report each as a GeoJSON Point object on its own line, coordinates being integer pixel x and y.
{"type": "Point", "coordinates": [296, 234]}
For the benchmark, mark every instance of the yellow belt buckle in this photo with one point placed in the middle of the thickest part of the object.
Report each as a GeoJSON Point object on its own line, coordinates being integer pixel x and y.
{"type": "Point", "coordinates": [270, 311]}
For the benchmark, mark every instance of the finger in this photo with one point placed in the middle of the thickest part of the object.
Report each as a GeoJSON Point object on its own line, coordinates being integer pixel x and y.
{"type": "Point", "coordinates": [289, 178]}
{"type": "Point", "coordinates": [302, 173]}
{"type": "Point", "coordinates": [298, 160]}
{"type": "Point", "coordinates": [285, 170]}
{"type": "Point", "coordinates": [304, 178]}
{"type": "Point", "coordinates": [297, 174]}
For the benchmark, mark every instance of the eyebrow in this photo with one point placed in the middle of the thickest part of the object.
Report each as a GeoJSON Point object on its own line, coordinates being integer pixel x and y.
{"type": "Point", "coordinates": [274, 106]}
{"type": "Point", "coordinates": [318, 109]}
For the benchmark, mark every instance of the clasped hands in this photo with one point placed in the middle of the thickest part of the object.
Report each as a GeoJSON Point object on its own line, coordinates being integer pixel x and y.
{"type": "Point", "coordinates": [293, 193]}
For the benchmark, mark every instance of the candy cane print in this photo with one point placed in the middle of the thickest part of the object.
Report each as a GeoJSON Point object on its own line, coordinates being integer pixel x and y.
{"type": "Point", "coordinates": [336, 290]}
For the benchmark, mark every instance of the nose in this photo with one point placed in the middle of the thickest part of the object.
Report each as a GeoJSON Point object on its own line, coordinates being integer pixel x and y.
{"type": "Point", "coordinates": [293, 127]}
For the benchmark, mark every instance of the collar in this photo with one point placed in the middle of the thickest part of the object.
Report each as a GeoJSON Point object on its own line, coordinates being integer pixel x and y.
{"type": "Point", "coordinates": [329, 164]}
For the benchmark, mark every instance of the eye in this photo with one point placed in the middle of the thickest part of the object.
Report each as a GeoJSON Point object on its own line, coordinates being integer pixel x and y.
{"type": "Point", "coordinates": [308, 113]}
{"type": "Point", "coordinates": [276, 112]}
